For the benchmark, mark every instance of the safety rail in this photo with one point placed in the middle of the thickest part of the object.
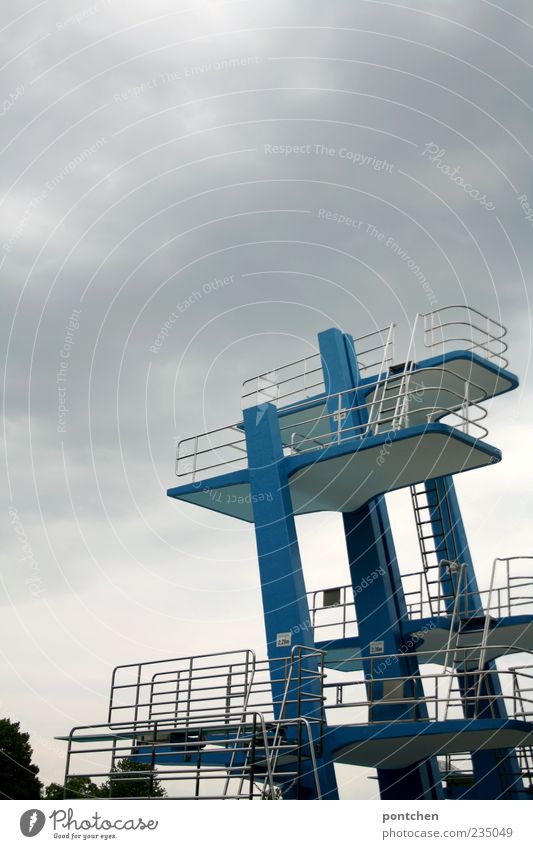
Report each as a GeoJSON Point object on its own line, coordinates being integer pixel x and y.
{"type": "Point", "coordinates": [443, 695]}
{"type": "Point", "coordinates": [248, 758]}
{"type": "Point", "coordinates": [285, 384]}
{"type": "Point", "coordinates": [394, 402]}
{"type": "Point", "coordinates": [223, 716]}
{"type": "Point", "coordinates": [457, 324]}
{"type": "Point", "coordinates": [376, 354]}
{"type": "Point", "coordinates": [522, 692]}
{"type": "Point", "coordinates": [443, 330]}
{"type": "Point", "coordinates": [301, 379]}
{"type": "Point", "coordinates": [509, 595]}
{"type": "Point", "coordinates": [223, 446]}
{"type": "Point", "coordinates": [214, 687]}
{"type": "Point", "coordinates": [332, 612]}
{"type": "Point", "coordinates": [458, 767]}
{"type": "Point", "coordinates": [393, 405]}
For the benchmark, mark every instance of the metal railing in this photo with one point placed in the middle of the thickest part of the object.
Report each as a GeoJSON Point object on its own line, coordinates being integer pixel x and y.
{"type": "Point", "coordinates": [208, 718]}
{"type": "Point", "coordinates": [443, 695]}
{"type": "Point", "coordinates": [332, 613]}
{"type": "Point", "coordinates": [222, 447]}
{"type": "Point", "coordinates": [236, 760]}
{"type": "Point", "coordinates": [447, 327]}
{"type": "Point", "coordinates": [215, 685]}
{"type": "Point", "coordinates": [458, 767]}
{"type": "Point", "coordinates": [301, 379]}
{"type": "Point", "coordinates": [443, 329]}
{"type": "Point", "coordinates": [510, 592]}
{"type": "Point", "coordinates": [395, 402]}
{"type": "Point", "coordinates": [393, 405]}
{"type": "Point", "coordinates": [285, 384]}
{"type": "Point", "coordinates": [375, 350]}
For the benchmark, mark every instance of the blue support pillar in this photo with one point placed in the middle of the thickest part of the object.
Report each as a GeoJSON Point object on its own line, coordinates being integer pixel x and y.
{"type": "Point", "coordinates": [497, 772]}
{"type": "Point", "coordinates": [379, 603]}
{"type": "Point", "coordinates": [286, 611]}
{"type": "Point", "coordinates": [380, 609]}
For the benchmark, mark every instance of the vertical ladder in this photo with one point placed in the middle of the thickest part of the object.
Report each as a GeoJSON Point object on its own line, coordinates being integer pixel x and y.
{"type": "Point", "coordinates": [433, 540]}
{"type": "Point", "coordinates": [459, 657]}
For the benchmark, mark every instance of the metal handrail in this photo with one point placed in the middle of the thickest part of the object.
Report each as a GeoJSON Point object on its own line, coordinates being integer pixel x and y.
{"type": "Point", "coordinates": [392, 396]}
{"type": "Point", "coordinates": [492, 332]}
{"type": "Point", "coordinates": [184, 454]}
{"type": "Point", "coordinates": [464, 697]}
{"type": "Point", "coordinates": [296, 657]}
{"type": "Point", "coordinates": [275, 379]}
{"type": "Point", "coordinates": [394, 412]}
{"type": "Point", "coordinates": [253, 737]}
{"type": "Point", "coordinates": [497, 600]}
{"type": "Point", "coordinates": [216, 703]}
{"type": "Point", "coordinates": [310, 366]}
{"type": "Point", "coordinates": [460, 765]}
{"type": "Point", "coordinates": [344, 605]}
{"type": "Point", "coordinates": [392, 416]}
{"type": "Point", "coordinates": [202, 687]}
{"type": "Point", "coordinates": [506, 603]}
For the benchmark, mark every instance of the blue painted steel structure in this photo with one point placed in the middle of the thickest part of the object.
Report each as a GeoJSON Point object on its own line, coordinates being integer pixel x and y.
{"type": "Point", "coordinates": [334, 429]}
{"type": "Point", "coordinates": [335, 432]}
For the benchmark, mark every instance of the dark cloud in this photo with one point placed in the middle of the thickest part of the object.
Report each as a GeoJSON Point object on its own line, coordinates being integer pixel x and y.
{"type": "Point", "coordinates": [183, 160]}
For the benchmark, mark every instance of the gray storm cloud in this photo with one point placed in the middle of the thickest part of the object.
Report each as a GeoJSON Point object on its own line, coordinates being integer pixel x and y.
{"type": "Point", "coordinates": [180, 184]}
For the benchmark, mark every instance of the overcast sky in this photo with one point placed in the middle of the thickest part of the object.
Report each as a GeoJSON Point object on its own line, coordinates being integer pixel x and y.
{"type": "Point", "coordinates": [151, 148]}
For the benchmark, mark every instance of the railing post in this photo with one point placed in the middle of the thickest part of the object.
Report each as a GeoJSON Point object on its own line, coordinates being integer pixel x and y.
{"type": "Point", "coordinates": [194, 458]}
{"type": "Point", "coordinates": [137, 693]}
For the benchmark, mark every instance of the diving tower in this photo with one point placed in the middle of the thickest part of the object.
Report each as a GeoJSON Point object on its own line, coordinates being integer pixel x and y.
{"type": "Point", "coordinates": [349, 676]}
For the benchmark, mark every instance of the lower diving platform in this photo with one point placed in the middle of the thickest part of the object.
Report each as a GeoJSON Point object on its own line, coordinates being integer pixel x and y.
{"type": "Point", "coordinates": [230, 726]}
{"type": "Point", "coordinates": [398, 745]}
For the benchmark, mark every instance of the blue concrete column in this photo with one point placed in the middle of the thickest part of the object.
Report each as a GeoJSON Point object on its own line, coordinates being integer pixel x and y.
{"type": "Point", "coordinates": [452, 545]}
{"type": "Point", "coordinates": [497, 772]}
{"type": "Point", "coordinates": [380, 610]}
{"type": "Point", "coordinates": [341, 374]}
{"type": "Point", "coordinates": [285, 606]}
{"type": "Point", "coordinates": [380, 606]}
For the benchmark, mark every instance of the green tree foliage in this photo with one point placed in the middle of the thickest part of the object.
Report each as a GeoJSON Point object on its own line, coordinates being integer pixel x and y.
{"type": "Point", "coordinates": [122, 783]}
{"type": "Point", "coordinates": [18, 775]}
{"type": "Point", "coordinates": [77, 788]}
